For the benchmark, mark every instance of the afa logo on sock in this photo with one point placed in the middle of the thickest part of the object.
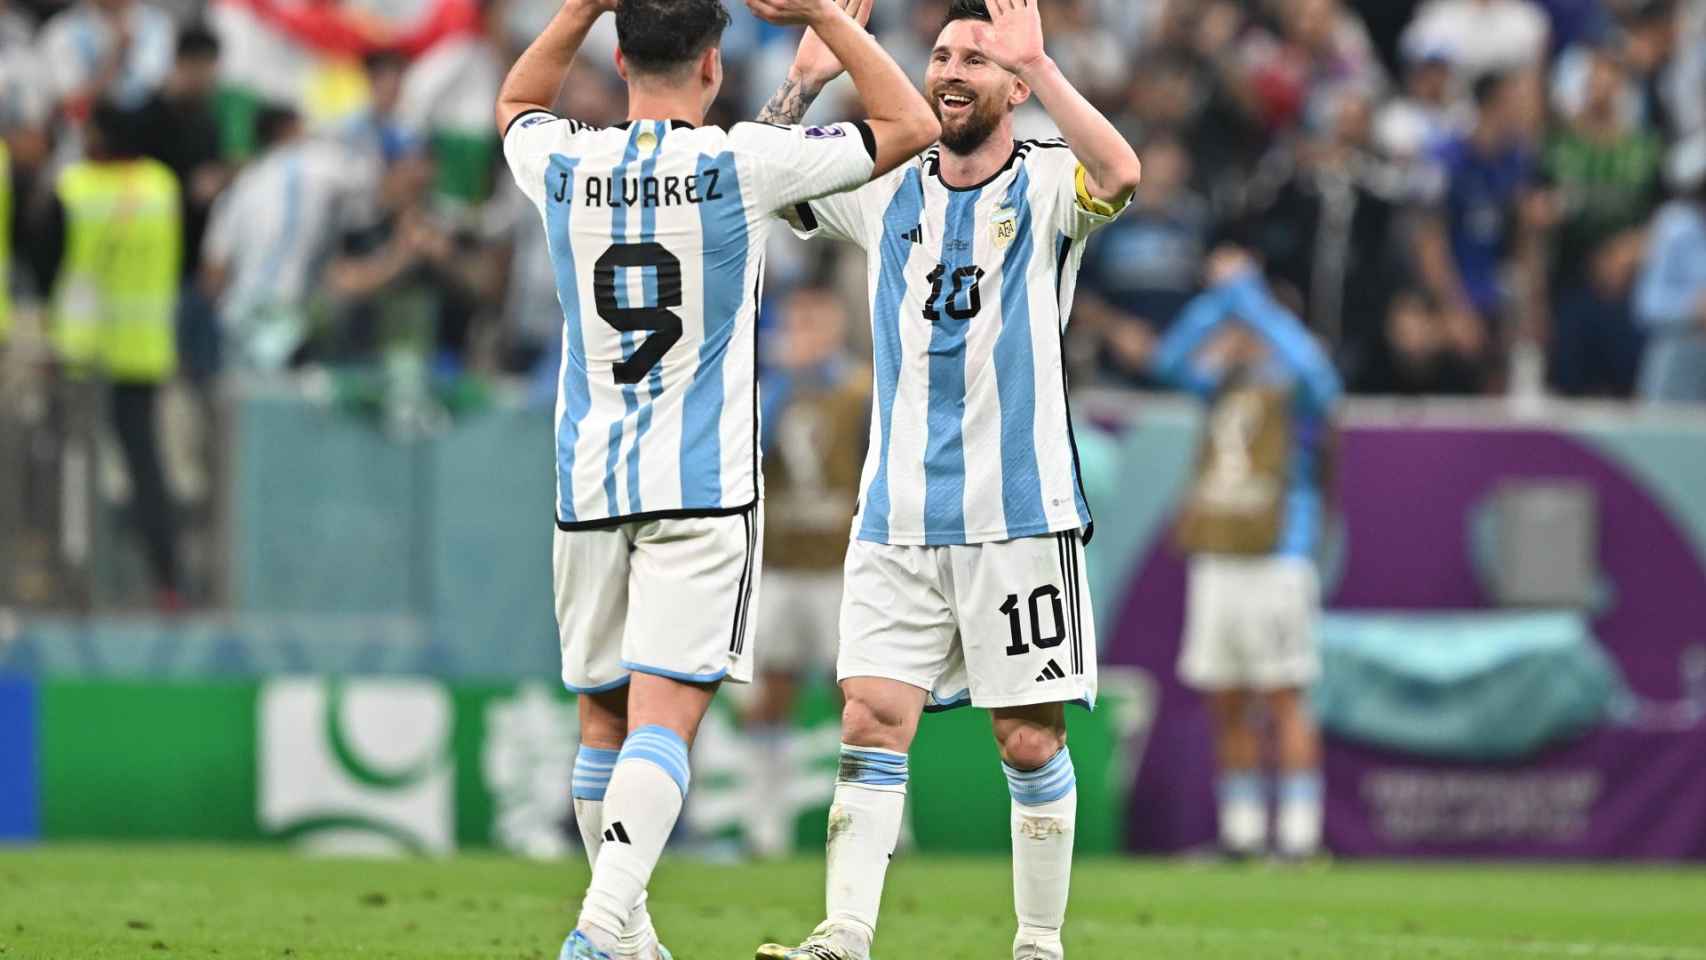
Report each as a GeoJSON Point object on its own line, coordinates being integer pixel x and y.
{"type": "Point", "coordinates": [357, 767]}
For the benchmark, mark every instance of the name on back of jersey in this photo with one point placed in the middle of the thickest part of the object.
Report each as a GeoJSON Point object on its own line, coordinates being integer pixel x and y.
{"type": "Point", "coordinates": [643, 192]}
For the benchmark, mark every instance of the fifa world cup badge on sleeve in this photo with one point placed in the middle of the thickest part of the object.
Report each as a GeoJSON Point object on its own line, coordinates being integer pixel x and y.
{"type": "Point", "coordinates": [1003, 227]}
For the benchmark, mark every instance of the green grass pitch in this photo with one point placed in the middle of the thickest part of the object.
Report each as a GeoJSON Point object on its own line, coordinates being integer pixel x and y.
{"type": "Point", "coordinates": [159, 903]}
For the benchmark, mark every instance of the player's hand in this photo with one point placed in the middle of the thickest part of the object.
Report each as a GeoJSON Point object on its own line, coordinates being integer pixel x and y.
{"type": "Point", "coordinates": [814, 63]}
{"type": "Point", "coordinates": [793, 13]}
{"type": "Point", "coordinates": [1016, 34]}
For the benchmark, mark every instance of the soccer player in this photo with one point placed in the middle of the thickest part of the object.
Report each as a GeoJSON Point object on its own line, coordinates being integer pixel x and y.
{"type": "Point", "coordinates": [657, 228]}
{"type": "Point", "coordinates": [964, 578]}
{"type": "Point", "coordinates": [1251, 524]}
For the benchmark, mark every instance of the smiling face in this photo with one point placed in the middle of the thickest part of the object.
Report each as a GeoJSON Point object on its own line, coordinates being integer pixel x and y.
{"type": "Point", "coordinates": [971, 95]}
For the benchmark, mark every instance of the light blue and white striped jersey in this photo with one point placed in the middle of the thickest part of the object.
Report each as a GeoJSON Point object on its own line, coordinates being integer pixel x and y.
{"type": "Point", "coordinates": [657, 231]}
{"type": "Point", "coordinates": [971, 437]}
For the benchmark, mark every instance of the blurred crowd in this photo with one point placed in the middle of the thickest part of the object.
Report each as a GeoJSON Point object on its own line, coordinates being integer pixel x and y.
{"type": "Point", "coordinates": [1460, 196]}
{"type": "Point", "coordinates": [1456, 196]}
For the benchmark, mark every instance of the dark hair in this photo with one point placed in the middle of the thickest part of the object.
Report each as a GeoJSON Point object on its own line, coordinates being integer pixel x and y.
{"type": "Point", "coordinates": [658, 36]}
{"type": "Point", "coordinates": [385, 58]}
{"type": "Point", "coordinates": [196, 40]}
{"type": "Point", "coordinates": [1489, 85]}
{"type": "Point", "coordinates": [967, 10]}
{"type": "Point", "coordinates": [272, 122]}
{"type": "Point", "coordinates": [116, 130]}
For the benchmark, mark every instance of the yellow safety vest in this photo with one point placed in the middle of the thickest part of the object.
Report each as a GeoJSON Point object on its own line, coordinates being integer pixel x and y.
{"type": "Point", "coordinates": [5, 242]}
{"type": "Point", "coordinates": [116, 302]}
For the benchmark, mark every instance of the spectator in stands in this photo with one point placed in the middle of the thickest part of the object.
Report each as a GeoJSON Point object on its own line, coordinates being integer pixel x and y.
{"type": "Point", "coordinates": [1669, 69]}
{"type": "Point", "coordinates": [1475, 223]}
{"type": "Point", "coordinates": [1483, 36]}
{"type": "Point", "coordinates": [178, 128]}
{"type": "Point", "coordinates": [1428, 113]}
{"type": "Point", "coordinates": [23, 95]}
{"type": "Point", "coordinates": [114, 316]}
{"type": "Point", "coordinates": [376, 137]}
{"type": "Point", "coordinates": [1670, 298]}
{"type": "Point", "coordinates": [1426, 350]}
{"type": "Point", "coordinates": [1328, 229]}
{"type": "Point", "coordinates": [1606, 175]}
{"type": "Point", "coordinates": [1086, 51]}
{"type": "Point", "coordinates": [1320, 49]}
{"type": "Point", "coordinates": [817, 402]}
{"type": "Point", "coordinates": [120, 50]}
{"type": "Point", "coordinates": [1141, 270]}
{"type": "Point", "coordinates": [447, 99]}
{"type": "Point", "coordinates": [1252, 524]}
{"type": "Point", "coordinates": [269, 236]}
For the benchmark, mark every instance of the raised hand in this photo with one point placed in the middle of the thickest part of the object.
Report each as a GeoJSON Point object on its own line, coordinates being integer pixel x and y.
{"type": "Point", "coordinates": [1016, 34]}
{"type": "Point", "coordinates": [792, 13]}
{"type": "Point", "coordinates": [814, 64]}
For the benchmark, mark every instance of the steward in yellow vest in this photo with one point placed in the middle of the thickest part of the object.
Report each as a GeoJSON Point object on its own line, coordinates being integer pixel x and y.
{"type": "Point", "coordinates": [115, 301]}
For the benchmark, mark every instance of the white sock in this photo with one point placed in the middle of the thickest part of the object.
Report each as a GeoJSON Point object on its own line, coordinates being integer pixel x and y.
{"type": "Point", "coordinates": [1298, 826]}
{"type": "Point", "coordinates": [1243, 812]}
{"type": "Point", "coordinates": [1044, 822]}
{"type": "Point", "coordinates": [864, 824]}
{"type": "Point", "coordinates": [646, 792]}
{"type": "Point", "coordinates": [770, 825]}
{"type": "Point", "coordinates": [593, 767]}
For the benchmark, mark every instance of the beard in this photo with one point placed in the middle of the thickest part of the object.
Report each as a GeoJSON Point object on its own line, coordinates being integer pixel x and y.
{"type": "Point", "coordinates": [965, 134]}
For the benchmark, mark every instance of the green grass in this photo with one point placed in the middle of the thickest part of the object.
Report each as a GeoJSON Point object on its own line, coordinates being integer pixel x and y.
{"type": "Point", "coordinates": [89, 902]}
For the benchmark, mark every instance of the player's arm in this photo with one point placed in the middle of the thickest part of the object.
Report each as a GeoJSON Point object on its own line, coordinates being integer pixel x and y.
{"type": "Point", "coordinates": [1291, 342]}
{"type": "Point", "coordinates": [533, 82]}
{"type": "Point", "coordinates": [813, 69]}
{"type": "Point", "coordinates": [900, 120]}
{"type": "Point", "coordinates": [1109, 168]}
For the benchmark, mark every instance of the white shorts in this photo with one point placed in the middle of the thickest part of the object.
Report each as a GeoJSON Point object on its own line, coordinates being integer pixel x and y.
{"type": "Point", "coordinates": [993, 625]}
{"type": "Point", "coordinates": [665, 597]}
{"type": "Point", "coordinates": [1250, 623]}
{"type": "Point", "coordinates": [799, 614]}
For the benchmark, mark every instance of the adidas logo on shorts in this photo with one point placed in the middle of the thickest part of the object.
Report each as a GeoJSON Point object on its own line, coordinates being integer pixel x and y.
{"type": "Point", "coordinates": [1051, 672]}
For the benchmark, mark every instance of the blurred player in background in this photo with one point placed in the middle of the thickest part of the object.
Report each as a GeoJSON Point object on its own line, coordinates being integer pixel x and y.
{"type": "Point", "coordinates": [964, 581]}
{"type": "Point", "coordinates": [657, 228]}
{"type": "Point", "coordinates": [817, 414]}
{"type": "Point", "coordinates": [1252, 525]}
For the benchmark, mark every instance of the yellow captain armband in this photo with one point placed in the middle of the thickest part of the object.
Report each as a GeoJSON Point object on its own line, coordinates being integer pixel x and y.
{"type": "Point", "coordinates": [1101, 208]}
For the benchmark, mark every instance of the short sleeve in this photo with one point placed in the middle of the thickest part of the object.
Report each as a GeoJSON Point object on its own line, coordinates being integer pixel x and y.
{"type": "Point", "coordinates": [530, 141]}
{"type": "Point", "coordinates": [1078, 214]}
{"type": "Point", "coordinates": [796, 163]}
{"type": "Point", "coordinates": [839, 216]}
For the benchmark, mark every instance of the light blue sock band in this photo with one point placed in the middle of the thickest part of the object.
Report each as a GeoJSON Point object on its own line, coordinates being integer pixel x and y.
{"type": "Point", "coordinates": [593, 766]}
{"type": "Point", "coordinates": [872, 767]}
{"type": "Point", "coordinates": [1046, 784]}
{"type": "Point", "coordinates": [1242, 787]}
{"type": "Point", "coordinates": [1301, 787]}
{"type": "Point", "coordinates": [661, 747]}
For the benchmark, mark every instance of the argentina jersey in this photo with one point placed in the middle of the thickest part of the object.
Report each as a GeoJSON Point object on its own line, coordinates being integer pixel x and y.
{"type": "Point", "coordinates": [971, 436]}
{"type": "Point", "coordinates": [656, 231]}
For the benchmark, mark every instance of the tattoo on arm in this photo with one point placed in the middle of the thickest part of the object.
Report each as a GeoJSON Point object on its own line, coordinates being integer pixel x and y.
{"type": "Point", "coordinates": [790, 103]}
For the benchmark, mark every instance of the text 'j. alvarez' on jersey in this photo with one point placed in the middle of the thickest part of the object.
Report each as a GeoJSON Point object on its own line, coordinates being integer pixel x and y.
{"type": "Point", "coordinates": [657, 232]}
{"type": "Point", "coordinates": [971, 436]}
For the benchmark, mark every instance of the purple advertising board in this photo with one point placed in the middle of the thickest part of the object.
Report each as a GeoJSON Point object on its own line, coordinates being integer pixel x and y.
{"type": "Point", "coordinates": [1407, 504]}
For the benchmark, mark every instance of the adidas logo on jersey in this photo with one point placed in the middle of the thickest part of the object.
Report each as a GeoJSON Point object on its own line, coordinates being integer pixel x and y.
{"type": "Point", "coordinates": [1051, 672]}
{"type": "Point", "coordinates": [615, 834]}
{"type": "Point", "coordinates": [916, 234]}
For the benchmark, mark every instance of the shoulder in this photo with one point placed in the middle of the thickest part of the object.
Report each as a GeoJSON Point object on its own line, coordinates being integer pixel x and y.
{"type": "Point", "coordinates": [1052, 158]}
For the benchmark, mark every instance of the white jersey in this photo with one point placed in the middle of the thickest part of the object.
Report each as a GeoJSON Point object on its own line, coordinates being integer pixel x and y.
{"type": "Point", "coordinates": [657, 233]}
{"type": "Point", "coordinates": [971, 438]}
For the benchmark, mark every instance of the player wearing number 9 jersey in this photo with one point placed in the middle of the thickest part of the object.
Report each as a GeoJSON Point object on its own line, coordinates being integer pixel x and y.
{"type": "Point", "coordinates": [656, 228]}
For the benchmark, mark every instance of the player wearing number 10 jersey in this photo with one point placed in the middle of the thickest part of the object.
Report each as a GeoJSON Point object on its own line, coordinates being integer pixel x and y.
{"type": "Point", "coordinates": [964, 581]}
{"type": "Point", "coordinates": [657, 229]}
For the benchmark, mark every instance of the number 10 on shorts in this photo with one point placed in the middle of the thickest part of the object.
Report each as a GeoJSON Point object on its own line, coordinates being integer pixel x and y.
{"type": "Point", "coordinates": [1057, 621]}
